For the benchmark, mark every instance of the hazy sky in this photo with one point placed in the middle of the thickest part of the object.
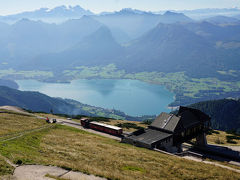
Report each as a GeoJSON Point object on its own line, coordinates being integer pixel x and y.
{"type": "Point", "coordinates": [15, 6]}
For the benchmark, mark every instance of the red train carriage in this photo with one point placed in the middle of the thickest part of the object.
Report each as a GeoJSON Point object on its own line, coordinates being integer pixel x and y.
{"type": "Point", "coordinates": [85, 122]}
{"type": "Point", "coordinates": [114, 130]}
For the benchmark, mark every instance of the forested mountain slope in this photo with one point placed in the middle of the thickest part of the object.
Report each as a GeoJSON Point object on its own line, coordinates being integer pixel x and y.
{"type": "Point", "coordinates": [39, 102]}
{"type": "Point", "coordinates": [225, 113]}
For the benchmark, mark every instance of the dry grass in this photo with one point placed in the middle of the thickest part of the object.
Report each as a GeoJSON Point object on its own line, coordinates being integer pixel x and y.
{"type": "Point", "coordinates": [5, 168]}
{"type": "Point", "coordinates": [225, 163]}
{"type": "Point", "coordinates": [105, 157]}
{"type": "Point", "coordinates": [219, 138]}
{"type": "Point", "coordinates": [15, 122]}
{"type": "Point", "coordinates": [71, 148]}
{"type": "Point", "coordinates": [93, 154]}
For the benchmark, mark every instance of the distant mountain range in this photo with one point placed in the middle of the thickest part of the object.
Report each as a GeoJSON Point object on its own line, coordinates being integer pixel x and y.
{"type": "Point", "coordinates": [165, 43]}
{"type": "Point", "coordinates": [57, 14]}
{"type": "Point", "coordinates": [135, 23]}
{"type": "Point", "coordinates": [125, 24]}
{"type": "Point", "coordinates": [26, 38]}
{"type": "Point", "coordinates": [189, 47]}
{"type": "Point", "coordinates": [63, 13]}
{"type": "Point", "coordinates": [237, 16]}
{"type": "Point", "coordinates": [200, 14]}
{"type": "Point", "coordinates": [99, 48]}
{"type": "Point", "coordinates": [199, 49]}
{"type": "Point", "coordinates": [223, 20]}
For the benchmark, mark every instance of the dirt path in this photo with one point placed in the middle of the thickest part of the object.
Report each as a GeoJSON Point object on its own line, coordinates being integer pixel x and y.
{"type": "Point", "coordinates": [39, 172]}
{"type": "Point", "coordinates": [15, 109]}
{"type": "Point", "coordinates": [234, 148]}
{"type": "Point", "coordinates": [20, 134]}
{"type": "Point", "coordinates": [212, 163]}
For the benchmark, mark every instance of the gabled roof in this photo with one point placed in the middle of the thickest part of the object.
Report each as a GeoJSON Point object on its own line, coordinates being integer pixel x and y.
{"type": "Point", "coordinates": [166, 121]}
{"type": "Point", "coordinates": [199, 115]}
{"type": "Point", "coordinates": [186, 118]}
{"type": "Point", "coordinates": [150, 136]}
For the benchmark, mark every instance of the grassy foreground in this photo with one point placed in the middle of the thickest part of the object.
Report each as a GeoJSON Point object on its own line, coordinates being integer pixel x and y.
{"type": "Point", "coordinates": [5, 168]}
{"type": "Point", "coordinates": [11, 122]}
{"type": "Point", "coordinates": [78, 150]}
{"type": "Point", "coordinates": [89, 153]}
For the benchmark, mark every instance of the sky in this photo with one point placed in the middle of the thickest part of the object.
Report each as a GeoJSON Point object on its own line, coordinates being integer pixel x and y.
{"type": "Point", "coordinates": [97, 6]}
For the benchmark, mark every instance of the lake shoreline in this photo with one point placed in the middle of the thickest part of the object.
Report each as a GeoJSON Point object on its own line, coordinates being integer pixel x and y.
{"type": "Point", "coordinates": [127, 88]}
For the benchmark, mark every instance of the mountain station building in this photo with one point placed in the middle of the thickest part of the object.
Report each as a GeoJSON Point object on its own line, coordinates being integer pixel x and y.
{"type": "Point", "coordinates": [169, 131]}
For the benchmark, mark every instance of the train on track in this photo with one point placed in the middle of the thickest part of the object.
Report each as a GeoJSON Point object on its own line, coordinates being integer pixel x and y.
{"type": "Point", "coordinates": [109, 129]}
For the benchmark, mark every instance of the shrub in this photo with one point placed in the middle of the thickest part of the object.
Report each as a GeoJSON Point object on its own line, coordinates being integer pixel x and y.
{"type": "Point", "coordinates": [129, 125]}
{"type": "Point", "coordinates": [147, 122]}
{"type": "Point", "coordinates": [19, 162]}
{"type": "Point", "coordinates": [230, 139]}
{"type": "Point", "coordinates": [218, 141]}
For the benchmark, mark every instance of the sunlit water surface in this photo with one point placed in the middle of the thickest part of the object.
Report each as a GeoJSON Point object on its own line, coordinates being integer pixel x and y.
{"type": "Point", "coordinates": [130, 96]}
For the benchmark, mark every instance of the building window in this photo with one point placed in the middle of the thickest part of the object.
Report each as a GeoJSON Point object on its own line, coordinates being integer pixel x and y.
{"type": "Point", "coordinates": [182, 134]}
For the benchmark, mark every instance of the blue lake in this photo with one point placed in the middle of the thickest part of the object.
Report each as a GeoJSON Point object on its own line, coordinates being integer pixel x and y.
{"type": "Point", "coordinates": [130, 96]}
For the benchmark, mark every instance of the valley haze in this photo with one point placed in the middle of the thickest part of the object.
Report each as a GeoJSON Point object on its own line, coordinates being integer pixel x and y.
{"type": "Point", "coordinates": [195, 59]}
{"type": "Point", "coordinates": [82, 85]}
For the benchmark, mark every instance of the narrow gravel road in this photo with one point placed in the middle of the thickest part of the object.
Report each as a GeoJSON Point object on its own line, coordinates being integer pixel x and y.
{"type": "Point", "coordinates": [212, 163]}
{"type": "Point", "coordinates": [15, 109]}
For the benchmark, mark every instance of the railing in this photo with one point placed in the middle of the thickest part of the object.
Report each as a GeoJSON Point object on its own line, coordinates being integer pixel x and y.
{"type": "Point", "coordinates": [190, 153]}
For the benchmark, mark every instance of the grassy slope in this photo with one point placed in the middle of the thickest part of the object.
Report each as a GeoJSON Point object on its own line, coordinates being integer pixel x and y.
{"type": "Point", "coordinates": [15, 122]}
{"type": "Point", "coordinates": [5, 168]}
{"type": "Point", "coordinates": [220, 138]}
{"type": "Point", "coordinates": [11, 124]}
{"type": "Point", "coordinates": [101, 156]}
{"type": "Point", "coordinates": [75, 149]}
